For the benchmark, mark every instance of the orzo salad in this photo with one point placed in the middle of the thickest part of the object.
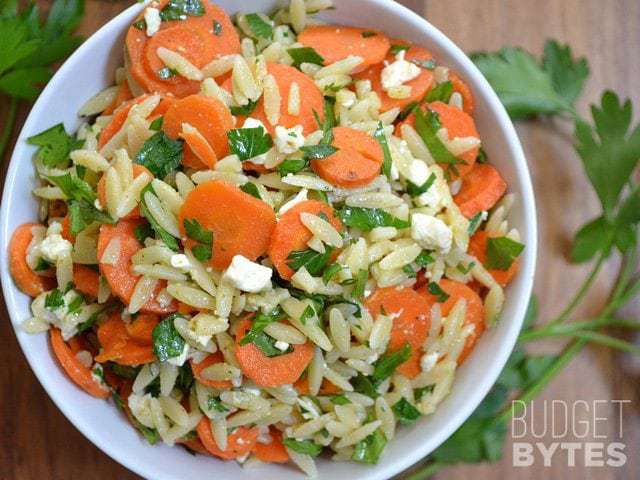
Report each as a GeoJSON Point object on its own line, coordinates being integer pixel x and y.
{"type": "Point", "coordinates": [271, 239]}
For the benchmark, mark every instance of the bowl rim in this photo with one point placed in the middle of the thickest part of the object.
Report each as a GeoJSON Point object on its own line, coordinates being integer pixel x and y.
{"type": "Point", "coordinates": [391, 467]}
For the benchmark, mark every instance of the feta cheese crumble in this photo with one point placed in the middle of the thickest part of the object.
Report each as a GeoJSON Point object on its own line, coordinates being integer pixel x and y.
{"type": "Point", "coordinates": [152, 19]}
{"type": "Point", "coordinates": [418, 172]}
{"type": "Point", "coordinates": [53, 246]}
{"type": "Point", "coordinates": [431, 233]}
{"type": "Point", "coordinates": [399, 72]}
{"type": "Point", "coordinates": [289, 140]}
{"type": "Point", "coordinates": [181, 261]}
{"type": "Point", "coordinates": [248, 276]}
{"type": "Point", "coordinates": [280, 345]}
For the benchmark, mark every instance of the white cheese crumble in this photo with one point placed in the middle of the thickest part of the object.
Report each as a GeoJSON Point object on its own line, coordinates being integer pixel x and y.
{"type": "Point", "coordinates": [152, 19]}
{"type": "Point", "coordinates": [301, 196]}
{"type": "Point", "coordinates": [248, 276]}
{"type": "Point", "coordinates": [180, 260]}
{"type": "Point", "coordinates": [53, 246]}
{"type": "Point", "coordinates": [431, 232]}
{"type": "Point", "coordinates": [280, 345]}
{"type": "Point", "coordinates": [289, 140]}
{"type": "Point", "coordinates": [428, 361]}
{"type": "Point", "coordinates": [418, 172]}
{"type": "Point", "coordinates": [399, 72]}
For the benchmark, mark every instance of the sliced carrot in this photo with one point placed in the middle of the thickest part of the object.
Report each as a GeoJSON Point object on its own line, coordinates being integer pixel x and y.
{"type": "Point", "coordinates": [311, 100]}
{"type": "Point", "coordinates": [481, 189]}
{"type": "Point", "coordinates": [207, 362]}
{"type": "Point", "coordinates": [478, 248]}
{"type": "Point", "coordinates": [124, 94]}
{"type": "Point", "coordinates": [209, 116]}
{"type": "Point", "coordinates": [419, 85]}
{"type": "Point", "coordinates": [66, 229]}
{"type": "Point", "coordinates": [326, 388]}
{"type": "Point", "coordinates": [201, 149]}
{"type": "Point", "coordinates": [193, 37]}
{"type": "Point", "coordinates": [86, 280]}
{"type": "Point", "coordinates": [122, 112]}
{"type": "Point", "coordinates": [119, 346]}
{"type": "Point", "coordinates": [194, 445]}
{"type": "Point", "coordinates": [241, 224]}
{"type": "Point", "coordinates": [26, 279]}
{"type": "Point", "coordinates": [119, 276]}
{"type": "Point", "coordinates": [81, 375]}
{"type": "Point", "coordinates": [273, 452]}
{"type": "Point", "coordinates": [336, 42]}
{"type": "Point", "coordinates": [291, 235]}
{"type": "Point", "coordinates": [468, 103]}
{"type": "Point", "coordinates": [271, 371]}
{"type": "Point", "coordinates": [141, 328]}
{"type": "Point", "coordinates": [356, 163]}
{"type": "Point", "coordinates": [239, 442]}
{"type": "Point", "coordinates": [474, 314]}
{"type": "Point", "coordinates": [458, 124]}
{"type": "Point", "coordinates": [411, 321]}
{"type": "Point", "coordinates": [102, 191]}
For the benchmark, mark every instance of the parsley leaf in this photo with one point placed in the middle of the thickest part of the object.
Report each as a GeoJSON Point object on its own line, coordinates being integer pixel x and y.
{"type": "Point", "coordinates": [244, 110]}
{"type": "Point", "coordinates": [366, 219]}
{"type": "Point", "coordinates": [83, 214]}
{"type": "Point", "coordinates": [260, 322]}
{"type": "Point", "coordinates": [54, 300]}
{"type": "Point", "coordinates": [169, 240]}
{"type": "Point", "coordinates": [384, 367]}
{"type": "Point", "coordinates": [368, 34]}
{"type": "Point", "coordinates": [313, 261]}
{"type": "Point", "coordinates": [259, 26]}
{"type": "Point", "coordinates": [248, 143]}
{"type": "Point", "coordinates": [73, 187]}
{"type": "Point", "coordinates": [318, 152]}
{"type": "Point", "coordinates": [339, 400]}
{"type": "Point", "coordinates": [360, 284]}
{"type": "Point", "coordinates": [501, 252]}
{"type": "Point", "coordinates": [306, 447]}
{"type": "Point", "coordinates": [266, 344]}
{"type": "Point", "coordinates": [370, 449]}
{"type": "Point", "coordinates": [568, 76]}
{"type": "Point", "coordinates": [217, 28]}
{"type": "Point", "coordinates": [305, 55]}
{"type": "Point", "coordinates": [42, 265]}
{"type": "Point", "coordinates": [214, 403]}
{"type": "Point", "coordinates": [55, 145]}
{"type": "Point", "coordinates": [396, 49]}
{"type": "Point", "coordinates": [166, 72]}
{"type": "Point", "coordinates": [156, 125]}
{"type": "Point", "coordinates": [440, 93]}
{"type": "Point", "coordinates": [435, 289]}
{"type": "Point", "coordinates": [474, 223]}
{"type": "Point", "coordinates": [382, 140]}
{"type": "Point", "coordinates": [330, 272]}
{"type": "Point", "coordinates": [424, 259]}
{"type": "Point", "coordinates": [167, 342]}
{"type": "Point", "coordinates": [292, 165]}
{"type": "Point", "coordinates": [160, 155]}
{"type": "Point", "coordinates": [427, 125]}
{"type": "Point", "coordinates": [251, 189]}
{"type": "Point", "coordinates": [180, 9]}
{"type": "Point", "coordinates": [405, 412]}
{"type": "Point", "coordinates": [204, 249]}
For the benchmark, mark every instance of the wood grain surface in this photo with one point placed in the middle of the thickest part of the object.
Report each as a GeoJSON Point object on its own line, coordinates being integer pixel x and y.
{"type": "Point", "coordinates": [38, 443]}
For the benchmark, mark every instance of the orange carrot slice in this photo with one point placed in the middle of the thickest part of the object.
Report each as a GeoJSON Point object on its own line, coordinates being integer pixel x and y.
{"type": "Point", "coordinates": [207, 362]}
{"type": "Point", "coordinates": [118, 345]}
{"type": "Point", "coordinates": [66, 229]}
{"type": "Point", "coordinates": [336, 42]}
{"type": "Point", "coordinates": [239, 442]}
{"type": "Point", "coordinates": [474, 314]}
{"type": "Point", "coordinates": [26, 279]}
{"type": "Point", "coordinates": [141, 328]}
{"type": "Point", "coordinates": [290, 234]}
{"type": "Point", "coordinates": [119, 276]}
{"type": "Point", "coordinates": [200, 149]}
{"type": "Point", "coordinates": [419, 85]}
{"type": "Point", "coordinates": [76, 371]}
{"type": "Point", "coordinates": [86, 280]}
{"type": "Point", "coordinates": [122, 112]}
{"type": "Point", "coordinates": [209, 116]}
{"type": "Point", "coordinates": [468, 103]}
{"type": "Point", "coordinates": [195, 445]}
{"type": "Point", "coordinates": [241, 224]}
{"type": "Point", "coordinates": [102, 191]}
{"type": "Point", "coordinates": [481, 189]}
{"type": "Point", "coordinates": [273, 452]}
{"type": "Point", "coordinates": [478, 248]}
{"type": "Point", "coordinates": [124, 94]}
{"type": "Point", "coordinates": [199, 39]}
{"type": "Point", "coordinates": [311, 100]}
{"type": "Point", "coordinates": [326, 388]}
{"type": "Point", "coordinates": [411, 322]}
{"type": "Point", "coordinates": [356, 163]}
{"type": "Point", "coordinates": [458, 124]}
{"type": "Point", "coordinates": [271, 371]}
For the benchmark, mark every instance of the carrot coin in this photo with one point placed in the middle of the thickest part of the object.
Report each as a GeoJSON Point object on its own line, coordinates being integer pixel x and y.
{"type": "Point", "coordinates": [207, 362]}
{"type": "Point", "coordinates": [119, 276]}
{"type": "Point", "coordinates": [102, 191]}
{"type": "Point", "coordinates": [271, 371]}
{"type": "Point", "coordinates": [419, 85]}
{"type": "Point", "coordinates": [141, 328]}
{"type": "Point", "coordinates": [239, 442]}
{"type": "Point", "coordinates": [356, 163]}
{"type": "Point", "coordinates": [199, 39]}
{"type": "Point", "coordinates": [209, 116]}
{"type": "Point", "coordinates": [468, 103]}
{"type": "Point", "coordinates": [86, 280]}
{"type": "Point", "coordinates": [478, 248]}
{"type": "Point", "coordinates": [274, 451]}
{"type": "Point", "coordinates": [80, 374]}
{"type": "Point", "coordinates": [480, 190]}
{"type": "Point", "coordinates": [291, 235]}
{"type": "Point", "coordinates": [241, 224]}
{"type": "Point", "coordinates": [474, 314]}
{"type": "Point", "coordinates": [26, 279]}
{"type": "Point", "coordinates": [326, 388]}
{"type": "Point", "coordinates": [124, 94]}
{"type": "Point", "coordinates": [411, 314]}
{"type": "Point", "coordinates": [337, 42]}
{"type": "Point", "coordinates": [119, 346]}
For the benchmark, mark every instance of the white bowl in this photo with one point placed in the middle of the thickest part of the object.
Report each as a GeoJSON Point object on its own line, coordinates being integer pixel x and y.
{"type": "Point", "coordinates": [89, 70]}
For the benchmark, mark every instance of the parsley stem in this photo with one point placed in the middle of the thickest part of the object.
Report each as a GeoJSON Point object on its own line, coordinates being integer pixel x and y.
{"type": "Point", "coordinates": [580, 294]}
{"type": "Point", "coordinates": [578, 326]}
{"type": "Point", "coordinates": [426, 472]}
{"type": "Point", "coordinates": [9, 123]}
{"type": "Point", "coordinates": [629, 267]}
{"type": "Point", "coordinates": [609, 341]}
